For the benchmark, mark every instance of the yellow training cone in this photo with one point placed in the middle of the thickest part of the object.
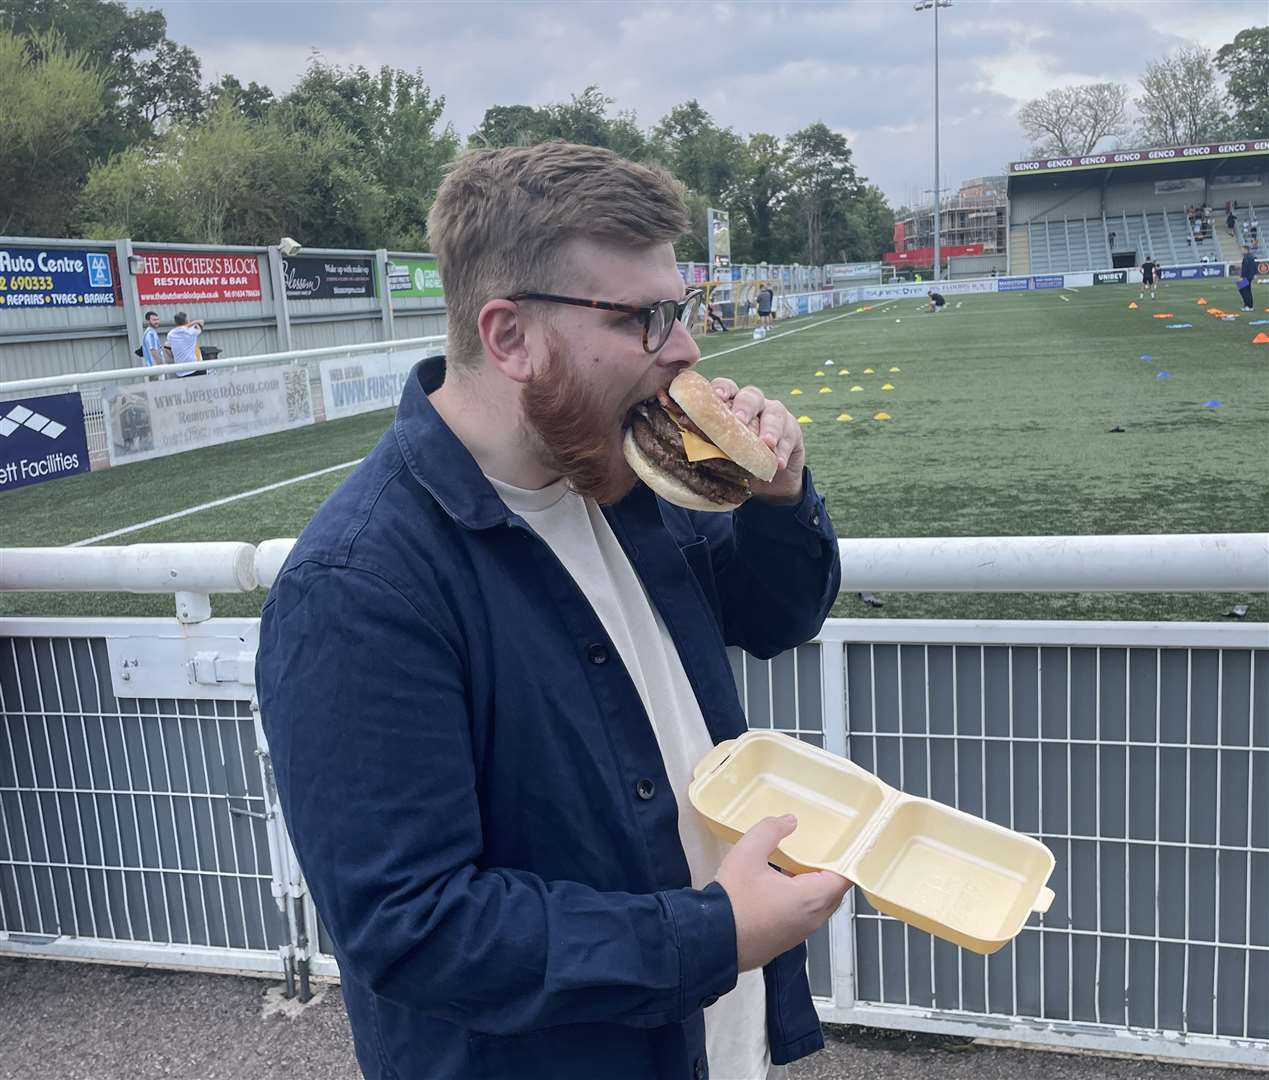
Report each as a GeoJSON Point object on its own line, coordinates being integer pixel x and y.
{"type": "Point", "coordinates": [826, 389]}
{"type": "Point", "coordinates": [795, 392]}
{"type": "Point", "coordinates": [1132, 306]}
{"type": "Point", "coordinates": [1202, 300]}
{"type": "Point", "coordinates": [856, 389]}
{"type": "Point", "coordinates": [844, 371]}
{"type": "Point", "coordinates": [869, 371]}
{"type": "Point", "coordinates": [894, 371]}
{"type": "Point", "coordinates": [845, 418]}
{"type": "Point", "coordinates": [819, 374]}
{"type": "Point", "coordinates": [888, 386]}
{"type": "Point", "coordinates": [882, 416]}
{"type": "Point", "coordinates": [805, 420]}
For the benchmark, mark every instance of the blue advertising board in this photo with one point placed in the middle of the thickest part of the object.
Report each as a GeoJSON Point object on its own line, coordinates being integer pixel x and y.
{"type": "Point", "coordinates": [1048, 281]}
{"type": "Point", "coordinates": [1192, 272]}
{"type": "Point", "coordinates": [42, 438]}
{"type": "Point", "coordinates": [57, 277]}
{"type": "Point", "coordinates": [1012, 284]}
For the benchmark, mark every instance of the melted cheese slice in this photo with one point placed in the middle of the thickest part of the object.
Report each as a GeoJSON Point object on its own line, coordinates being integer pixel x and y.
{"type": "Point", "coordinates": [697, 449]}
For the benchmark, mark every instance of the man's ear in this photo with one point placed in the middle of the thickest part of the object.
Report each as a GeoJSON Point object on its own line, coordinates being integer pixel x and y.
{"type": "Point", "coordinates": [501, 326]}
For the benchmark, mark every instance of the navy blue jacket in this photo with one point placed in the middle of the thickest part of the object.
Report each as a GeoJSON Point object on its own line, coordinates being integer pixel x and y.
{"type": "Point", "coordinates": [464, 767]}
{"type": "Point", "coordinates": [1248, 268]}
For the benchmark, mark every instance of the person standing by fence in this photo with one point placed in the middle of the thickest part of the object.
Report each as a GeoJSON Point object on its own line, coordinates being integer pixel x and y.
{"type": "Point", "coordinates": [151, 346]}
{"type": "Point", "coordinates": [182, 339]}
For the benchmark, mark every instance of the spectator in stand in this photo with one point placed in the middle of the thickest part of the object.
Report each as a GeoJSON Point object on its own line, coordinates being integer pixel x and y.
{"type": "Point", "coordinates": [1111, 240]}
{"type": "Point", "coordinates": [1230, 221]}
{"type": "Point", "coordinates": [182, 339]}
{"type": "Point", "coordinates": [1248, 271]}
{"type": "Point", "coordinates": [151, 347]}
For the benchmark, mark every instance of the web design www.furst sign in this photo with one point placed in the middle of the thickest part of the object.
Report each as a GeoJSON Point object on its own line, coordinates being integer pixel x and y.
{"type": "Point", "coordinates": [42, 439]}
{"type": "Point", "coordinates": [318, 278]}
{"type": "Point", "coordinates": [57, 277]}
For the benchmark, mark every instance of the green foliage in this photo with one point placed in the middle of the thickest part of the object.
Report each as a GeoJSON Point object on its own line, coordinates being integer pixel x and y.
{"type": "Point", "coordinates": [52, 98]}
{"type": "Point", "coordinates": [1245, 63]}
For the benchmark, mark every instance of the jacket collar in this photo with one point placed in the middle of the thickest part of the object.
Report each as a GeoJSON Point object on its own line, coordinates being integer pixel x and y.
{"type": "Point", "coordinates": [437, 458]}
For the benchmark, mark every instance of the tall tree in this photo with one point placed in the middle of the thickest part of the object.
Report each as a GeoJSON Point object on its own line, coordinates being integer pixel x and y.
{"type": "Point", "coordinates": [52, 97]}
{"type": "Point", "coordinates": [762, 188]}
{"type": "Point", "coordinates": [704, 156]}
{"type": "Point", "coordinates": [253, 100]}
{"type": "Point", "coordinates": [149, 78]}
{"type": "Point", "coordinates": [394, 122]}
{"type": "Point", "coordinates": [1072, 120]}
{"type": "Point", "coordinates": [1182, 100]}
{"type": "Point", "coordinates": [824, 185]}
{"type": "Point", "coordinates": [1245, 63]}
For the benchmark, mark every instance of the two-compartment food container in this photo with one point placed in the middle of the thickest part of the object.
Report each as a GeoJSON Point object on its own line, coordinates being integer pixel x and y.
{"type": "Point", "coordinates": [963, 879]}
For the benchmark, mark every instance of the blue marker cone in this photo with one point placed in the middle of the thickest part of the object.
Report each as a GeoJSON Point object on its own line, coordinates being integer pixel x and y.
{"type": "Point", "coordinates": [1213, 404]}
{"type": "Point", "coordinates": [1146, 357]}
{"type": "Point", "coordinates": [1163, 375]}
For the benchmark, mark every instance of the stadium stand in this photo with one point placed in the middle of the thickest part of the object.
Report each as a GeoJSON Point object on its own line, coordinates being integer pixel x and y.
{"type": "Point", "coordinates": [1116, 208]}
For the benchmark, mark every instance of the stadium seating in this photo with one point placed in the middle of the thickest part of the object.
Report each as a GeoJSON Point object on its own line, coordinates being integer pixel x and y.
{"type": "Point", "coordinates": [1066, 245]}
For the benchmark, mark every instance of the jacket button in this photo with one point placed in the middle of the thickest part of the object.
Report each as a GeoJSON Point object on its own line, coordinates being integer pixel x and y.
{"type": "Point", "coordinates": [699, 1070]}
{"type": "Point", "coordinates": [815, 519]}
{"type": "Point", "coordinates": [597, 654]}
{"type": "Point", "coordinates": [711, 1000]}
{"type": "Point", "coordinates": [645, 789]}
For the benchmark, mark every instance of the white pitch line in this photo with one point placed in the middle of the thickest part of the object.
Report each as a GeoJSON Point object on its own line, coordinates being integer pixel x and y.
{"type": "Point", "coordinates": [1065, 299]}
{"type": "Point", "coordinates": [786, 333]}
{"type": "Point", "coordinates": [214, 503]}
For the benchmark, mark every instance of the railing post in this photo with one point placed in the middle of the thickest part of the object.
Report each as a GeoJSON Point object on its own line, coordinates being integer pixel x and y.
{"type": "Point", "coordinates": [385, 294]}
{"type": "Point", "coordinates": [281, 306]}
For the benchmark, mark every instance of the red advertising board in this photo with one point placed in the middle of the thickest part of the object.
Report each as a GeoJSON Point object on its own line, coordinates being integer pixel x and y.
{"type": "Point", "coordinates": [925, 256]}
{"type": "Point", "coordinates": [197, 277]}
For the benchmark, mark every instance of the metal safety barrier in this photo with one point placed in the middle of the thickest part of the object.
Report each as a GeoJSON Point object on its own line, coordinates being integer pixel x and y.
{"type": "Point", "coordinates": [139, 820]}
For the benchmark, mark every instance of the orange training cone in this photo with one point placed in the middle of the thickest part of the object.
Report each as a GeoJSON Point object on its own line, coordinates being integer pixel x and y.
{"type": "Point", "coordinates": [1260, 339]}
{"type": "Point", "coordinates": [1202, 300]}
{"type": "Point", "coordinates": [1132, 306]}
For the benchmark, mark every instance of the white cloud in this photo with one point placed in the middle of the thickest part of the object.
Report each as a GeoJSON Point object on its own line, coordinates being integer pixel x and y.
{"type": "Point", "coordinates": [863, 67]}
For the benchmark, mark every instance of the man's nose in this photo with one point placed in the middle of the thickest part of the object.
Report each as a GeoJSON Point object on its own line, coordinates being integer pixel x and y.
{"type": "Point", "coordinates": [680, 349]}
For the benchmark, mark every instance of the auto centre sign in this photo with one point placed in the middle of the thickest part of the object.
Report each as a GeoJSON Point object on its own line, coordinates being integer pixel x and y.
{"type": "Point", "coordinates": [57, 277]}
{"type": "Point", "coordinates": [1112, 159]}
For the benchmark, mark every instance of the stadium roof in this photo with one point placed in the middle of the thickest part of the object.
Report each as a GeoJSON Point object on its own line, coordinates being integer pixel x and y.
{"type": "Point", "coordinates": [1163, 155]}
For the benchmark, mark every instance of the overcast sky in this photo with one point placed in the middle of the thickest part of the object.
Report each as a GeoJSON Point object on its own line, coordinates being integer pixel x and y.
{"type": "Point", "coordinates": [864, 67]}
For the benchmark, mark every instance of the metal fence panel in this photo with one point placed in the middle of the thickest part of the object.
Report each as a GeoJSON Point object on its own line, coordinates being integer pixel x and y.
{"type": "Point", "coordinates": [1144, 769]}
{"type": "Point", "coordinates": [127, 820]}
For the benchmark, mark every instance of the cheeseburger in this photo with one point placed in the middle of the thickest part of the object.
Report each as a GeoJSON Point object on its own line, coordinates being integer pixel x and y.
{"type": "Point", "coordinates": [690, 448]}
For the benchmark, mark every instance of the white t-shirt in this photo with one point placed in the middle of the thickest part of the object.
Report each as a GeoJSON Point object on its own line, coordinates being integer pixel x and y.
{"type": "Point", "coordinates": [579, 534]}
{"type": "Point", "coordinates": [181, 340]}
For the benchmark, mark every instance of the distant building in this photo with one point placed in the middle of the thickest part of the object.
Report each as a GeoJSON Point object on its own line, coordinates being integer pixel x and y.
{"type": "Point", "coordinates": [974, 221]}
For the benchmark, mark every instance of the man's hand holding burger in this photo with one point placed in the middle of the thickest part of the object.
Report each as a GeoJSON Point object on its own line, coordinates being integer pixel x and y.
{"type": "Point", "coordinates": [712, 446]}
{"type": "Point", "coordinates": [779, 429]}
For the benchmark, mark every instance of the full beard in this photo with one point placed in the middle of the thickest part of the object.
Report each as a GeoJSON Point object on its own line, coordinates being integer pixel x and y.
{"type": "Point", "coordinates": [574, 432]}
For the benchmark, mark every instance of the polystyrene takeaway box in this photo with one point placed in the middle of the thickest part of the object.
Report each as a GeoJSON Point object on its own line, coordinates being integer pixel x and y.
{"type": "Point", "coordinates": [963, 879]}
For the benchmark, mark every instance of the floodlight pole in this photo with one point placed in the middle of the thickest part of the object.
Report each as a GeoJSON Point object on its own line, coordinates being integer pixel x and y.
{"type": "Point", "coordinates": [925, 5]}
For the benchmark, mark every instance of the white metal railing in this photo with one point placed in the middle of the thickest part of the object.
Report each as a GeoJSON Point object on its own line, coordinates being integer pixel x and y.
{"type": "Point", "coordinates": [91, 384]}
{"type": "Point", "coordinates": [1202, 562]}
{"type": "Point", "coordinates": [1070, 731]}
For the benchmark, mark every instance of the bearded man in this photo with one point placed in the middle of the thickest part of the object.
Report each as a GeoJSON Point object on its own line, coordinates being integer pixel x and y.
{"type": "Point", "coordinates": [494, 657]}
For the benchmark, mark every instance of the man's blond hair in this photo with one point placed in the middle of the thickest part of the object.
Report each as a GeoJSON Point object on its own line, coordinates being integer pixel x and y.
{"type": "Point", "coordinates": [502, 216]}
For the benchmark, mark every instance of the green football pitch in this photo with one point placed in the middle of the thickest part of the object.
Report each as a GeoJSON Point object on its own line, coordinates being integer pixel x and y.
{"type": "Point", "coordinates": [1002, 410]}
